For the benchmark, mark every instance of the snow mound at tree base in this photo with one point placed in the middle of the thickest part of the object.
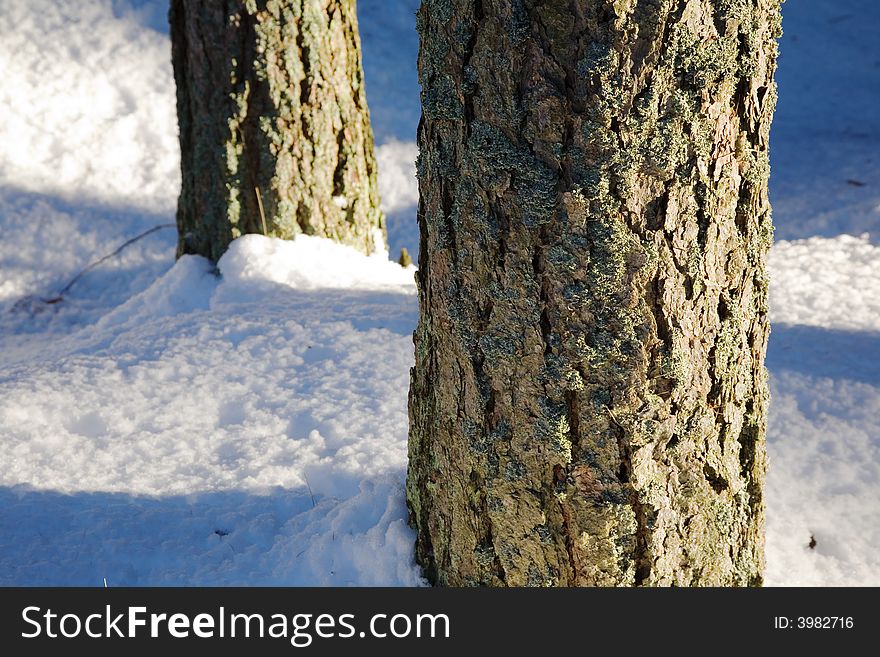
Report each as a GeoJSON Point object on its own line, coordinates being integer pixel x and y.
{"type": "Point", "coordinates": [242, 429]}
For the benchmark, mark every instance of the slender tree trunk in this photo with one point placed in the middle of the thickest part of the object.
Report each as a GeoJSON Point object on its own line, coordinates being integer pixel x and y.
{"type": "Point", "coordinates": [274, 128]}
{"type": "Point", "coordinates": [589, 398]}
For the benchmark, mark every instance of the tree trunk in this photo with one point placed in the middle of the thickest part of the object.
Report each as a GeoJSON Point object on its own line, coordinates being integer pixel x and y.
{"type": "Point", "coordinates": [274, 128]}
{"type": "Point", "coordinates": [589, 398]}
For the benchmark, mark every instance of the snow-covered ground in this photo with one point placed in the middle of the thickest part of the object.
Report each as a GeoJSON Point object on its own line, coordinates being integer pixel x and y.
{"type": "Point", "coordinates": [166, 425]}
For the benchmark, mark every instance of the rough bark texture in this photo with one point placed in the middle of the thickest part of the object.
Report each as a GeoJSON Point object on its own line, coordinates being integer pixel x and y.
{"type": "Point", "coordinates": [588, 401]}
{"type": "Point", "coordinates": [274, 128]}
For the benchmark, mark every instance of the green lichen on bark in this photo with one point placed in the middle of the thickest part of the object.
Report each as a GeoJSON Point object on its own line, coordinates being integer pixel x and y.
{"type": "Point", "coordinates": [274, 126]}
{"type": "Point", "coordinates": [589, 398]}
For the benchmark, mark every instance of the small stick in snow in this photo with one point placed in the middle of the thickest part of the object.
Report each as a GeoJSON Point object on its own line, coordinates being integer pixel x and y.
{"type": "Point", "coordinates": [262, 214]}
{"type": "Point", "coordinates": [311, 494]}
{"type": "Point", "coordinates": [31, 303]}
{"type": "Point", "coordinates": [90, 267]}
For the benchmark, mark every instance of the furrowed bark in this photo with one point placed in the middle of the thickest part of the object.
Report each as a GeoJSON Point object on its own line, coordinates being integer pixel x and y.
{"type": "Point", "coordinates": [274, 127]}
{"type": "Point", "coordinates": [588, 402]}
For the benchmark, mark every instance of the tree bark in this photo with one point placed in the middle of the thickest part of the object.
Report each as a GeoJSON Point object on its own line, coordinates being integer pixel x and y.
{"type": "Point", "coordinates": [274, 128]}
{"type": "Point", "coordinates": [589, 399]}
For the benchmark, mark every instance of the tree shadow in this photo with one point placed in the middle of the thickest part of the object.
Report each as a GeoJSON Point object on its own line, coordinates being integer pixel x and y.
{"type": "Point", "coordinates": [152, 14]}
{"type": "Point", "coordinates": [390, 45]}
{"type": "Point", "coordinates": [222, 538]}
{"type": "Point", "coordinates": [56, 238]}
{"type": "Point", "coordinates": [824, 352]}
{"type": "Point", "coordinates": [364, 309]}
{"type": "Point", "coordinates": [50, 538]}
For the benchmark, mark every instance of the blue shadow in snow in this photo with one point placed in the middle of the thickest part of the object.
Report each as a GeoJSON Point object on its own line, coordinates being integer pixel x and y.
{"type": "Point", "coordinates": [390, 46]}
{"type": "Point", "coordinates": [149, 13]}
{"type": "Point", "coordinates": [363, 309]}
{"type": "Point", "coordinates": [53, 539]}
{"type": "Point", "coordinates": [105, 286]}
{"type": "Point", "coordinates": [824, 352]}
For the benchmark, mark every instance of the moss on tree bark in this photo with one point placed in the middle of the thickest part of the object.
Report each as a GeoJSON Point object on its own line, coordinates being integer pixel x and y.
{"type": "Point", "coordinates": [274, 128]}
{"type": "Point", "coordinates": [588, 402]}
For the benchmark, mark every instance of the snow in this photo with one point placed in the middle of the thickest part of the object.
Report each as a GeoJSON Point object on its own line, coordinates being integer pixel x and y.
{"type": "Point", "coordinates": [826, 133]}
{"type": "Point", "coordinates": [85, 104]}
{"type": "Point", "coordinates": [830, 282]}
{"type": "Point", "coordinates": [824, 355]}
{"type": "Point", "coordinates": [311, 263]}
{"type": "Point", "coordinates": [267, 403]}
{"type": "Point", "coordinates": [399, 193]}
{"type": "Point", "coordinates": [176, 423]}
{"type": "Point", "coordinates": [824, 469]}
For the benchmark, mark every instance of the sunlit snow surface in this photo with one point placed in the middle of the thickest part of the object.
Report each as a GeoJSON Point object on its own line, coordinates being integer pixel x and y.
{"type": "Point", "coordinates": [176, 424]}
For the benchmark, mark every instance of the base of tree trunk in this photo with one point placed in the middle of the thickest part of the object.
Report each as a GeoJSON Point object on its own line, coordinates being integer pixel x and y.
{"type": "Point", "coordinates": [274, 128]}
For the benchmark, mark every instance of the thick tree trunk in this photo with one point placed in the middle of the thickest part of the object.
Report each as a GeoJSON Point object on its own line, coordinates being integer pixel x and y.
{"type": "Point", "coordinates": [589, 397]}
{"type": "Point", "coordinates": [274, 128]}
